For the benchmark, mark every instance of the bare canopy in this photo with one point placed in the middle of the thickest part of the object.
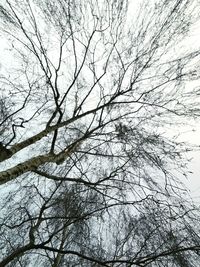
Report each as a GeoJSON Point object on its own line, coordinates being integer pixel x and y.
{"type": "Point", "coordinates": [93, 95]}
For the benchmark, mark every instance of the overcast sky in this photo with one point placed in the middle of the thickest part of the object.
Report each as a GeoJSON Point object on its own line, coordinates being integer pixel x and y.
{"type": "Point", "coordinates": [193, 181]}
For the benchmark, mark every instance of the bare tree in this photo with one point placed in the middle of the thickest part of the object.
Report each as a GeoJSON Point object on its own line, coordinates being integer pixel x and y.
{"type": "Point", "coordinates": [90, 175]}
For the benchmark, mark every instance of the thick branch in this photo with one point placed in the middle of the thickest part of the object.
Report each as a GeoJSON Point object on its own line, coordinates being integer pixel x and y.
{"type": "Point", "coordinates": [17, 253]}
{"type": "Point", "coordinates": [75, 253]}
{"type": "Point", "coordinates": [15, 148]}
{"type": "Point", "coordinates": [33, 164]}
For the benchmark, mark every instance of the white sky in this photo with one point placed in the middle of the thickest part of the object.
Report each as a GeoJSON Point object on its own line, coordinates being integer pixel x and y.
{"type": "Point", "coordinates": [193, 182]}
